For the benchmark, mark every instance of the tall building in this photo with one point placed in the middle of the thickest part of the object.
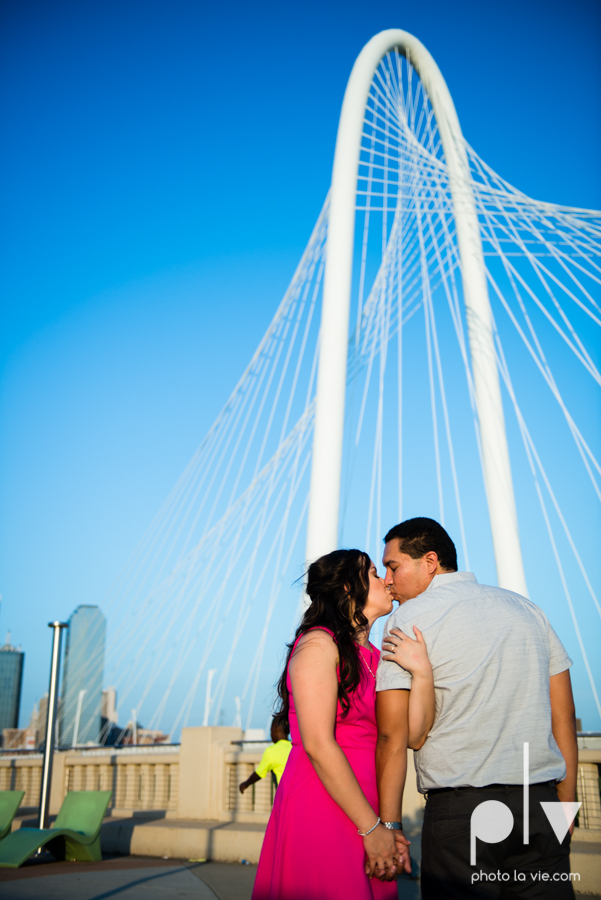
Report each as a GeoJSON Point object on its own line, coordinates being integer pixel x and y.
{"type": "Point", "coordinates": [110, 733]}
{"type": "Point", "coordinates": [109, 705]}
{"type": "Point", "coordinates": [11, 678]}
{"type": "Point", "coordinates": [39, 718]}
{"type": "Point", "coordinates": [79, 721]}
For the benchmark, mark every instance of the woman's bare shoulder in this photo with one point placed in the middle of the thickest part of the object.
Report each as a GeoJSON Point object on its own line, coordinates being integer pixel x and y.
{"type": "Point", "coordinates": [316, 643]}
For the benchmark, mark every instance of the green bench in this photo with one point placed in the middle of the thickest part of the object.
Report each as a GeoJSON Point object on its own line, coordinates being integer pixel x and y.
{"type": "Point", "coordinates": [75, 835]}
{"type": "Point", "coordinates": [9, 804]}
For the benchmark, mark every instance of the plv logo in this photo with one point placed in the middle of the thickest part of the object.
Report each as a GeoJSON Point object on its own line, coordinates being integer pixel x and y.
{"type": "Point", "coordinates": [492, 821]}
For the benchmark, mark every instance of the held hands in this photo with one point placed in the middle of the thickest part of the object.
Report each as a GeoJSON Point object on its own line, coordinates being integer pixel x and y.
{"type": "Point", "coordinates": [387, 853]}
{"type": "Point", "coordinates": [402, 846]}
{"type": "Point", "coordinates": [410, 654]}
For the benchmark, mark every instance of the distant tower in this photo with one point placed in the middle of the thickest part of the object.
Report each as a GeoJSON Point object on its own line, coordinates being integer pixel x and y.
{"type": "Point", "coordinates": [11, 678]}
{"type": "Point", "coordinates": [110, 730]}
{"type": "Point", "coordinates": [82, 679]}
{"type": "Point", "coordinates": [109, 705]}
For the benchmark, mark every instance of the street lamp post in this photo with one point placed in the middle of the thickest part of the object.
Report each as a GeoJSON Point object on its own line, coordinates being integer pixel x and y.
{"type": "Point", "coordinates": [51, 721]}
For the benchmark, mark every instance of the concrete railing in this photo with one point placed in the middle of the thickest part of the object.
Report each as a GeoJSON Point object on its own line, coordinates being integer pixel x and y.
{"type": "Point", "coordinates": [141, 778]}
{"type": "Point", "coordinates": [22, 773]}
{"type": "Point", "coordinates": [144, 781]}
{"type": "Point", "coordinates": [587, 783]}
{"type": "Point", "coordinates": [199, 779]}
{"type": "Point", "coordinates": [256, 802]}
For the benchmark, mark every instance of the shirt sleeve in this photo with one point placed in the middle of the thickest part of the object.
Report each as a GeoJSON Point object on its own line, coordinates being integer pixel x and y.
{"type": "Point", "coordinates": [266, 764]}
{"type": "Point", "coordinates": [559, 660]}
{"type": "Point", "coordinates": [390, 676]}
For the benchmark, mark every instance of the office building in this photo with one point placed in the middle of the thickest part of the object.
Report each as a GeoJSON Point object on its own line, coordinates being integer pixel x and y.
{"type": "Point", "coordinates": [110, 733]}
{"type": "Point", "coordinates": [109, 705]}
{"type": "Point", "coordinates": [11, 679]}
{"type": "Point", "coordinates": [41, 720]}
{"type": "Point", "coordinates": [83, 671]}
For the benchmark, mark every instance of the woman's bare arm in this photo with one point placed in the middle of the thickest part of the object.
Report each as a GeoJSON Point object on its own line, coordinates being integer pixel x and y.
{"type": "Point", "coordinates": [315, 690]}
{"type": "Point", "coordinates": [413, 656]}
{"type": "Point", "coordinates": [391, 761]}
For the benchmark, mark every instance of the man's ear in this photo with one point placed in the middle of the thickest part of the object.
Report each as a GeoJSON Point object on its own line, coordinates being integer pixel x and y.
{"type": "Point", "coordinates": [431, 561]}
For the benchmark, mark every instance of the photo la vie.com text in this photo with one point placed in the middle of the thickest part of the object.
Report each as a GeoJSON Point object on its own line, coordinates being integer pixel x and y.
{"type": "Point", "coordinates": [524, 876]}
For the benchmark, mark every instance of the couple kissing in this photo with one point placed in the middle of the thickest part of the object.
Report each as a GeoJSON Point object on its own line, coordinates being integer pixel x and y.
{"type": "Point", "coordinates": [468, 673]}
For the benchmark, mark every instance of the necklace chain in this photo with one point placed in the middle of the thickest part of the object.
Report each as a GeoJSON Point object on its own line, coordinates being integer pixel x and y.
{"type": "Point", "coordinates": [368, 665]}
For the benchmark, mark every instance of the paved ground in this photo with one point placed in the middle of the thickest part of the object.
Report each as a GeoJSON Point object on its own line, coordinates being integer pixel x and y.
{"type": "Point", "coordinates": [127, 878]}
{"type": "Point", "coordinates": [138, 878]}
{"type": "Point", "coordinates": [142, 878]}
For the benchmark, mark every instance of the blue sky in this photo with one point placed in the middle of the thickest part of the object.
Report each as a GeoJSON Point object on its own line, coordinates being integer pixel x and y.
{"type": "Point", "coordinates": [162, 167]}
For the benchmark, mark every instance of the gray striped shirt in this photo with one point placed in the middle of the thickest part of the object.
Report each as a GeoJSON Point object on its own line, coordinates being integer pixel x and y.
{"type": "Point", "coordinates": [492, 653]}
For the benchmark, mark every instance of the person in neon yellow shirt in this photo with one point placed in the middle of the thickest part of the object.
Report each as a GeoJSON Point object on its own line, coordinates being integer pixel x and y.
{"type": "Point", "coordinates": [274, 758]}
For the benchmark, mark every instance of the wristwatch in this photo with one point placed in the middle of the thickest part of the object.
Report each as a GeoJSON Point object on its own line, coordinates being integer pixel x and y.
{"type": "Point", "coordinates": [393, 826]}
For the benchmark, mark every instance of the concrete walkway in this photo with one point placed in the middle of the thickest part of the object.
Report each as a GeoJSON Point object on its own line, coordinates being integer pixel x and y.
{"type": "Point", "coordinates": [138, 878]}
{"type": "Point", "coordinates": [143, 878]}
{"type": "Point", "coordinates": [127, 878]}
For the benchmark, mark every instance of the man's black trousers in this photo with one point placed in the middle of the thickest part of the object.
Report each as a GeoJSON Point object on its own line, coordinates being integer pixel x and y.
{"type": "Point", "coordinates": [539, 870]}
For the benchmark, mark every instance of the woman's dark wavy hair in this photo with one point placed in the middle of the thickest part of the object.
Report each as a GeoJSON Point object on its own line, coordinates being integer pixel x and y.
{"type": "Point", "coordinates": [338, 585]}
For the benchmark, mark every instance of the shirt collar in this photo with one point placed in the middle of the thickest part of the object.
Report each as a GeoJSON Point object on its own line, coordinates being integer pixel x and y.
{"type": "Point", "coordinates": [448, 578]}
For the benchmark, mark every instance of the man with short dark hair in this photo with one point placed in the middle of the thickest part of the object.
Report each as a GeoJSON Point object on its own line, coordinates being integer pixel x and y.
{"type": "Point", "coordinates": [501, 679]}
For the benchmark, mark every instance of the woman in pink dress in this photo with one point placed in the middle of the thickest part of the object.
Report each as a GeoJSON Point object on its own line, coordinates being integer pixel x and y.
{"type": "Point", "coordinates": [324, 840]}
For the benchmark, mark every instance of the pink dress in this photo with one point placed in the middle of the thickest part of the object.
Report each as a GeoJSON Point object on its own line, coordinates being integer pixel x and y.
{"type": "Point", "coordinates": [311, 849]}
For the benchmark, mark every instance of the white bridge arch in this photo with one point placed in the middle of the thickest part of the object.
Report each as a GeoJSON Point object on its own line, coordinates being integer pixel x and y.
{"type": "Point", "coordinates": [322, 533]}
